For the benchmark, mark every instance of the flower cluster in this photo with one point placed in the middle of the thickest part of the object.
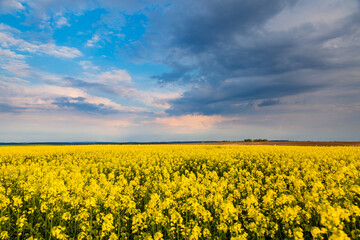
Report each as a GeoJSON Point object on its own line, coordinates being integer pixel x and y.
{"type": "Point", "coordinates": [179, 192]}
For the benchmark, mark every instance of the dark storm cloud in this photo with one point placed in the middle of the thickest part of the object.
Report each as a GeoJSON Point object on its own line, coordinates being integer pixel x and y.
{"type": "Point", "coordinates": [203, 34]}
{"type": "Point", "coordinates": [268, 102]}
{"type": "Point", "coordinates": [81, 105]}
{"type": "Point", "coordinates": [179, 75]}
{"type": "Point", "coordinates": [78, 83]}
{"type": "Point", "coordinates": [235, 96]}
{"type": "Point", "coordinates": [205, 23]}
{"type": "Point", "coordinates": [210, 42]}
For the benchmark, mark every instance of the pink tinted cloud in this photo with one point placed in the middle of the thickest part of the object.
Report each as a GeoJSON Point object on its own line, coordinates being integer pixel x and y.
{"type": "Point", "coordinates": [193, 121]}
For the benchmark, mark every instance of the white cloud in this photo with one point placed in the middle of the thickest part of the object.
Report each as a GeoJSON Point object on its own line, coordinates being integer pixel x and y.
{"type": "Point", "coordinates": [87, 65]}
{"type": "Point", "coordinates": [117, 81]}
{"type": "Point", "coordinates": [62, 21]}
{"type": "Point", "coordinates": [4, 27]}
{"type": "Point", "coordinates": [157, 99]}
{"type": "Point", "coordinates": [10, 54]}
{"type": "Point", "coordinates": [41, 97]}
{"type": "Point", "coordinates": [10, 5]}
{"type": "Point", "coordinates": [57, 51]}
{"type": "Point", "coordinates": [13, 79]}
{"type": "Point", "coordinates": [115, 77]}
{"type": "Point", "coordinates": [91, 42]}
{"type": "Point", "coordinates": [120, 83]}
{"type": "Point", "coordinates": [314, 12]}
{"type": "Point", "coordinates": [7, 40]}
{"type": "Point", "coordinates": [18, 68]}
{"type": "Point", "coordinates": [191, 122]}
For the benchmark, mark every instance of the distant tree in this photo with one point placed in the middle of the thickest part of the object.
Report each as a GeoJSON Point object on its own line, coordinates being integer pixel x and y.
{"type": "Point", "coordinates": [261, 140]}
{"type": "Point", "coordinates": [248, 140]}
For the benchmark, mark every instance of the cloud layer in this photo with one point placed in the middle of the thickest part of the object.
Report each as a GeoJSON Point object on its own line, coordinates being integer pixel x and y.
{"type": "Point", "coordinates": [183, 70]}
{"type": "Point", "coordinates": [234, 61]}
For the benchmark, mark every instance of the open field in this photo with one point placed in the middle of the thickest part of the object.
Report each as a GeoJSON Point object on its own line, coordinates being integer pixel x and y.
{"type": "Point", "coordinates": [289, 143]}
{"type": "Point", "coordinates": [270, 143]}
{"type": "Point", "coordinates": [179, 192]}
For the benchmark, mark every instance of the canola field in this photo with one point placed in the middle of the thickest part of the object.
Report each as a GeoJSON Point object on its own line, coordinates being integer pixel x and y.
{"type": "Point", "coordinates": [179, 192]}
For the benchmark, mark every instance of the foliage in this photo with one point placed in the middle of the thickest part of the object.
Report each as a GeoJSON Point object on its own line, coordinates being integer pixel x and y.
{"type": "Point", "coordinates": [179, 192]}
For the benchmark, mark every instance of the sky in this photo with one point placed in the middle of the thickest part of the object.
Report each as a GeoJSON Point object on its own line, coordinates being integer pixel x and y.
{"type": "Point", "coordinates": [165, 70]}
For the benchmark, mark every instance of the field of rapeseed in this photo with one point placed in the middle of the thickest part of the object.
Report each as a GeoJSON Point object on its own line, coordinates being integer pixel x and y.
{"type": "Point", "coordinates": [179, 192]}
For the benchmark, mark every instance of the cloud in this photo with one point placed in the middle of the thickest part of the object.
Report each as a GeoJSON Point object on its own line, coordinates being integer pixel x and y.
{"type": "Point", "coordinates": [234, 56]}
{"type": "Point", "coordinates": [154, 98]}
{"type": "Point", "coordinates": [44, 9]}
{"type": "Point", "coordinates": [8, 6]}
{"type": "Point", "coordinates": [314, 12]}
{"type": "Point", "coordinates": [7, 40]}
{"type": "Point", "coordinates": [86, 85]}
{"type": "Point", "coordinates": [59, 51]}
{"type": "Point", "coordinates": [277, 68]}
{"type": "Point", "coordinates": [119, 83]}
{"type": "Point", "coordinates": [115, 84]}
{"type": "Point", "coordinates": [13, 79]}
{"type": "Point", "coordinates": [4, 27]}
{"type": "Point", "coordinates": [91, 42]}
{"type": "Point", "coordinates": [62, 21]}
{"type": "Point", "coordinates": [193, 121]}
{"type": "Point", "coordinates": [114, 77]}
{"type": "Point", "coordinates": [18, 67]}
{"type": "Point", "coordinates": [237, 95]}
{"type": "Point", "coordinates": [114, 21]}
{"type": "Point", "coordinates": [80, 104]}
{"type": "Point", "coordinates": [87, 65]}
{"type": "Point", "coordinates": [268, 102]}
{"type": "Point", "coordinates": [6, 108]}
{"type": "Point", "coordinates": [10, 54]}
{"type": "Point", "coordinates": [45, 97]}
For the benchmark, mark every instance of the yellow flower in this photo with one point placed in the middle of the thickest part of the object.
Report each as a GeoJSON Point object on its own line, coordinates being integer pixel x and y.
{"type": "Point", "coordinates": [158, 236]}
{"type": "Point", "coordinates": [107, 225]}
{"type": "Point", "coordinates": [4, 235]}
{"type": "Point", "coordinates": [179, 191]}
{"type": "Point", "coordinates": [339, 235]}
{"type": "Point", "coordinates": [58, 232]}
{"type": "Point", "coordinates": [66, 216]}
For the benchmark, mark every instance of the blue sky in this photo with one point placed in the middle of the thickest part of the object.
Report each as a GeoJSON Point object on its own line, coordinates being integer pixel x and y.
{"type": "Point", "coordinates": [179, 70]}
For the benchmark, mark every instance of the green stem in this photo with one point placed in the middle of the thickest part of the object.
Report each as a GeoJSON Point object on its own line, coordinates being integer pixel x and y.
{"type": "Point", "coordinates": [118, 225]}
{"type": "Point", "coordinates": [75, 222]}
{"type": "Point", "coordinates": [50, 229]}
{"type": "Point", "coordinates": [1, 215]}
{"type": "Point", "coordinates": [17, 219]}
{"type": "Point", "coordinates": [91, 223]}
